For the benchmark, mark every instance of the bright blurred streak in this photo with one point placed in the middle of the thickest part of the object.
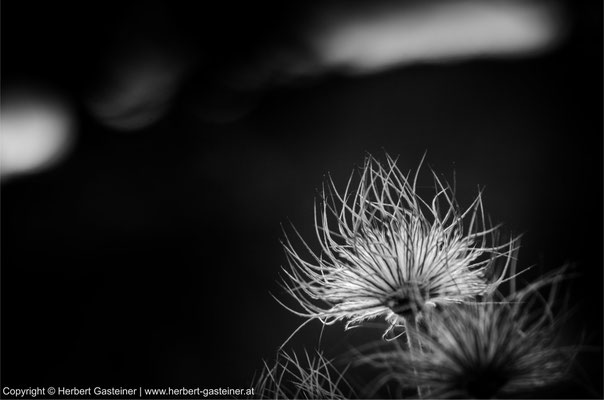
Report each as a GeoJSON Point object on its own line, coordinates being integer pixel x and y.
{"type": "Point", "coordinates": [35, 132]}
{"type": "Point", "coordinates": [393, 34]}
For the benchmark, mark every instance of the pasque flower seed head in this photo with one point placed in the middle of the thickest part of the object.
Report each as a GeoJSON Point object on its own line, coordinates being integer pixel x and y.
{"type": "Point", "coordinates": [386, 251]}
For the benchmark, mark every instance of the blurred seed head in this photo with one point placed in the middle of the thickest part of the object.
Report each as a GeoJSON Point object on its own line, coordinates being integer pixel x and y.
{"type": "Point", "coordinates": [493, 348]}
{"type": "Point", "coordinates": [138, 87]}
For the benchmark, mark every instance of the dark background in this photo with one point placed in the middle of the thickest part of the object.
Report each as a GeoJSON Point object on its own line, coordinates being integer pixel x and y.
{"type": "Point", "coordinates": [147, 258]}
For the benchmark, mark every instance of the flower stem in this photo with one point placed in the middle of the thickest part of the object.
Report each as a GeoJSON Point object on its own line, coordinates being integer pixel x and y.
{"type": "Point", "coordinates": [413, 343]}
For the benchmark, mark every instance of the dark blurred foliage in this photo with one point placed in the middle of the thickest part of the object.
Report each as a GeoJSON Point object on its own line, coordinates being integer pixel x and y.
{"type": "Point", "coordinates": [146, 258]}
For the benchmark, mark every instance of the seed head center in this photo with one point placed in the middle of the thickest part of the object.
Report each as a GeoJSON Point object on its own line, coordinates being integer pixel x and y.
{"type": "Point", "coordinates": [409, 300]}
{"type": "Point", "coordinates": [484, 383]}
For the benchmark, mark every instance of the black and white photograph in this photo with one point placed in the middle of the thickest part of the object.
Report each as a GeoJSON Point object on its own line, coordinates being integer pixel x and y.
{"type": "Point", "coordinates": [386, 199]}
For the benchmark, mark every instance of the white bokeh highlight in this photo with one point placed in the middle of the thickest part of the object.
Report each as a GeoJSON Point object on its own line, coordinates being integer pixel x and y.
{"type": "Point", "coordinates": [395, 34]}
{"type": "Point", "coordinates": [36, 132]}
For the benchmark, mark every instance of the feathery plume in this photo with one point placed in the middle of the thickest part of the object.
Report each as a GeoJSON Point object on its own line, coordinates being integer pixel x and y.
{"type": "Point", "coordinates": [307, 377]}
{"type": "Point", "coordinates": [387, 252]}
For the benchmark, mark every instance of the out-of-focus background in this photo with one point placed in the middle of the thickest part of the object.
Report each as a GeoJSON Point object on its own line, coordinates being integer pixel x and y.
{"type": "Point", "coordinates": [151, 150]}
